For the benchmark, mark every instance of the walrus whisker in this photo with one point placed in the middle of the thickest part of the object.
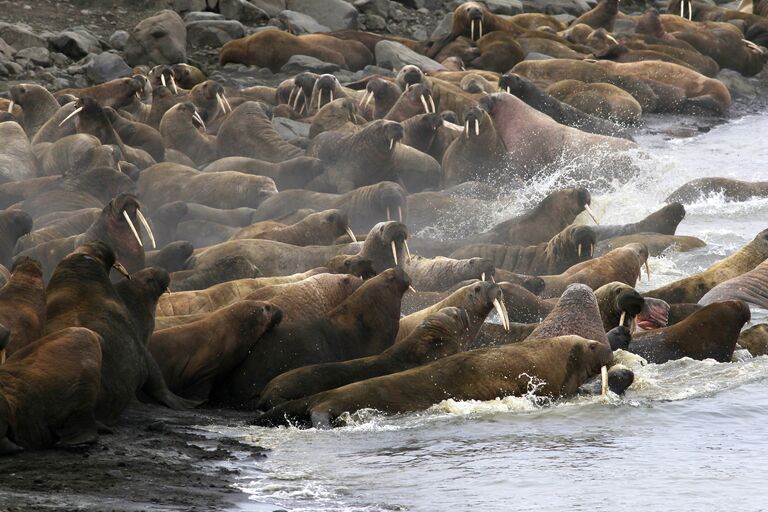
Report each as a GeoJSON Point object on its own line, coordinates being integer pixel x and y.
{"type": "Point", "coordinates": [133, 228]}
{"type": "Point", "coordinates": [351, 234]}
{"type": "Point", "coordinates": [424, 104]}
{"type": "Point", "coordinates": [477, 128]}
{"type": "Point", "coordinates": [604, 380]}
{"type": "Point", "coordinates": [74, 113]}
{"type": "Point", "coordinates": [120, 268]}
{"type": "Point", "coordinates": [432, 104]}
{"type": "Point", "coordinates": [394, 251]}
{"type": "Point", "coordinates": [10, 106]}
{"type": "Point", "coordinates": [591, 213]}
{"type": "Point", "coordinates": [144, 223]}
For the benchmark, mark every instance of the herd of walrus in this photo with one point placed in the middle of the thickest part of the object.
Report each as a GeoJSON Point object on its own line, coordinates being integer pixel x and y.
{"type": "Point", "coordinates": [166, 243]}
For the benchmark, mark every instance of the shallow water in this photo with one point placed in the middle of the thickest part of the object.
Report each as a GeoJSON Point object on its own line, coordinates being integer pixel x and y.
{"type": "Point", "coordinates": [688, 435]}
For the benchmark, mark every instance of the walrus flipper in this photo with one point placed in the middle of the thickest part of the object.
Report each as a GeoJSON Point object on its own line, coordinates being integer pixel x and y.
{"type": "Point", "coordinates": [79, 429]}
{"type": "Point", "coordinates": [8, 447]}
{"type": "Point", "coordinates": [157, 389]}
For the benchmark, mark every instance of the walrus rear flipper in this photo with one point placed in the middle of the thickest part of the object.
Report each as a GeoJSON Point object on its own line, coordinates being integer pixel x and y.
{"type": "Point", "coordinates": [293, 413]}
{"type": "Point", "coordinates": [156, 388]}
{"type": "Point", "coordinates": [8, 447]}
{"type": "Point", "coordinates": [78, 430]}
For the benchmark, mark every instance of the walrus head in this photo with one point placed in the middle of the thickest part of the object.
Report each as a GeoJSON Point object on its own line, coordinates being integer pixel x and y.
{"type": "Point", "coordinates": [124, 213]}
{"type": "Point", "coordinates": [123, 90]}
{"type": "Point", "coordinates": [390, 199]}
{"type": "Point", "coordinates": [354, 265]}
{"type": "Point", "coordinates": [572, 245]}
{"type": "Point", "coordinates": [468, 20]}
{"type": "Point", "coordinates": [323, 92]}
{"type": "Point", "coordinates": [477, 122]}
{"type": "Point", "coordinates": [210, 96]}
{"type": "Point", "coordinates": [334, 220]}
{"type": "Point", "coordinates": [408, 76]}
{"type": "Point", "coordinates": [27, 265]}
{"type": "Point", "coordinates": [25, 94]}
{"type": "Point", "coordinates": [140, 296]}
{"type": "Point", "coordinates": [386, 246]}
{"type": "Point", "coordinates": [186, 113]}
{"type": "Point", "coordinates": [650, 24]}
{"type": "Point", "coordinates": [514, 84]}
{"type": "Point", "coordinates": [187, 76]}
{"type": "Point", "coordinates": [384, 93]}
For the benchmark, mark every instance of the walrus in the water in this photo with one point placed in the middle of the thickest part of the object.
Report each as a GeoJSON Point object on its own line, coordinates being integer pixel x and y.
{"type": "Point", "coordinates": [751, 287]}
{"type": "Point", "coordinates": [622, 264]}
{"type": "Point", "coordinates": [524, 306]}
{"type": "Point", "coordinates": [603, 15]}
{"type": "Point", "coordinates": [272, 49]}
{"type": "Point", "coordinates": [543, 142]}
{"type": "Point", "coordinates": [730, 189]}
{"type": "Point", "coordinates": [179, 128]}
{"type": "Point", "coordinates": [573, 245]}
{"type": "Point", "coordinates": [560, 365]}
{"type": "Point", "coordinates": [441, 334]}
{"type": "Point", "coordinates": [123, 321]}
{"type": "Point", "coordinates": [663, 221]}
{"type": "Point", "coordinates": [14, 224]}
{"type": "Point", "coordinates": [560, 111]}
{"type": "Point", "coordinates": [598, 99]}
{"type": "Point", "coordinates": [755, 339]}
{"type": "Point", "coordinates": [363, 325]}
{"type": "Point", "coordinates": [440, 273]}
{"type": "Point", "coordinates": [321, 228]}
{"type": "Point", "coordinates": [22, 305]}
{"type": "Point", "coordinates": [691, 289]}
{"type": "Point", "coordinates": [655, 242]}
{"type": "Point", "coordinates": [709, 333]}
{"type": "Point", "coordinates": [621, 305]}
{"type": "Point", "coordinates": [478, 154]}
{"type": "Point", "coordinates": [48, 391]}
{"type": "Point", "coordinates": [194, 355]}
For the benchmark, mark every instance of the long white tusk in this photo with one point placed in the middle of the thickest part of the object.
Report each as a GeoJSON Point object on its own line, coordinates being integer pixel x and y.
{"type": "Point", "coordinates": [591, 250]}
{"type": "Point", "coordinates": [623, 316]}
{"type": "Point", "coordinates": [407, 250]}
{"type": "Point", "coordinates": [391, 144]}
{"type": "Point", "coordinates": [466, 129]}
{"type": "Point", "coordinates": [351, 234]}
{"type": "Point", "coordinates": [682, 4]}
{"type": "Point", "coordinates": [604, 380]}
{"type": "Point", "coordinates": [591, 213]}
{"type": "Point", "coordinates": [173, 83]}
{"type": "Point", "coordinates": [394, 252]}
{"type": "Point", "coordinates": [579, 251]}
{"type": "Point", "coordinates": [74, 113]}
{"type": "Point", "coordinates": [367, 98]}
{"type": "Point", "coordinates": [226, 102]}
{"type": "Point", "coordinates": [162, 78]}
{"type": "Point", "coordinates": [133, 228]}
{"type": "Point", "coordinates": [482, 276]}
{"type": "Point", "coordinates": [477, 128]}
{"type": "Point", "coordinates": [389, 216]}
{"type": "Point", "coordinates": [502, 312]}
{"type": "Point", "coordinates": [10, 106]}
{"type": "Point", "coordinates": [432, 104]}
{"type": "Point", "coordinates": [199, 119]}
{"type": "Point", "coordinates": [330, 93]}
{"type": "Point", "coordinates": [295, 102]}
{"type": "Point", "coordinates": [493, 280]}
{"type": "Point", "coordinates": [690, 10]}
{"type": "Point", "coordinates": [290, 96]}
{"type": "Point", "coordinates": [472, 29]}
{"type": "Point", "coordinates": [410, 287]}
{"type": "Point", "coordinates": [648, 270]}
{"type": "Point", "coordinates": [221, 104]}
{"type": "Point", "coordinates": [144, 223]}
{"type": "Point", "coordinates": [480, 22]}
{"type": "Point", "coordinates": [400, 214]}
{"type": "Point", "coordinates": [424, 104]}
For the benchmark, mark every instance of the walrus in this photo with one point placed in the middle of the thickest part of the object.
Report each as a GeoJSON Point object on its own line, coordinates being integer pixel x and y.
{"type": "Point", "coordinates": [663, 221]}
{"type": "Point", "coordinates": [48, 391]}
{"type": "Point", "coordinates": [272, 49]}
{"type": "Point", "coordinates": [383, 94]}
{"type": "Point", "coordinates": [365, 324]}
{"type": "Point", "coordinates": [622, 264]}
{"type": "Point", "coordinates": [472, 20]}
{"type": "Point", "coordinates": [38, 106]}
{"type": "Point", "coordinates": [691, 289]}
{"type": "Point", "coordinates": [17, 159]}
{"type": "Point", "coordinates": [750, 287]}
{"type": "Point", "coordinates": [170, 258]}
{"type": "Point", "coordinates": [603, 15]}
{"type": "Point", "coordinates": [22, 304]}
{"type": "Point", "coordinates": [293, 173]}
{"type": "Point", "coordinates": [755, 339]}
{"type": "Point", "coordinates": [14, 224]}
{"type": "Point", "coordinates": [321, 228]}
{"type": "Point", "coordinates": [339, 114]}
{"type": "Point", "coordinates": [138, 135]}
{"type": "Point", "coordinates": [560, 365]}
{"type": "Point", "coordinates": [167, 182]}
{"type": "Point", "coordinates": [420, 132]}
{"type": "Point", "coordinates": [187, 76]}
{"type": "Point", "coordinates": [353, 265]}
{"type": "Point", "coordinates": [127, 366]}
{"type": "Point", "coordinates": [364, 206]}
{"type": "Point", "coordinates": [440, 334]}
{"type": "Point", "coordinates": [440, 273]}
{"type": "Point", "coordinates": [226, 269]}
{"type": "Point", "coordinates": [179, 129]}
{"type": "Point", "coordinates": [558, 110]}
{"type": "Point", "coordinates": [524, 306]}
{"type": "Point", "coordinates": [621, 305]}
{"type": "Point", "coordinates": [656, 243]}
{"type": "Point", "coordinates": [415, 100]}
{"type": "Point", "coordinates": [544, 142]}
{"type": "Point", "coordinates": [709, 333]}
{"type": "Point", "coordinates": [116, 93]}
{"type": "Point", "coordinates": [194, 355]}
{"type": "Point", "coordinates": [478, 154]}
{"type": "Point", "coordinates": [573, 245]}
{"type": "Point", "coordinates": [730, 189]}
{"type": "Point", "coordinates": [384, 245]}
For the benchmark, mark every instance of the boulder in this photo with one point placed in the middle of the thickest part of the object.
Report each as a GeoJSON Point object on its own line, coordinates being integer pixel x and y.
{"type": "Point", "coordinates": [214, 33]}
{"type": "Point", "coordinates": [290, 129]}
{"type": "Point", "coordinates": [20, 37]}
{"type": "Point", "coordinates": [271, 7]}
{"type": "Point", "coordinates": [185, 6]}
{"type": "Point", "coordinates": [393, 55]}
{"type": "Point", "coordinates": [36, 55]}
{"type": "Point", "coordinates": [118, 39]}
{"type": "Point", "coordinates": [301, 23]}
{"type": "Point", "coordinates": [377, 7]}
{"type": "Point", "coordinates": [107, 66]}
{"type": "Point", "coordinates": [202, 16]}
{"type": "Point", "coordinates": [299, 63]}
{"type": "Point", "coordinates": [335, 14]}
{"type": "Point", "coordinates": [159, 39]}
{"type": "Point", "coordinates": [6, 51]}
{"type": "Point", "coordinates": [243, 10]}
{"type": "Point", "coordinates": [74, 44]}
{"type": "Point", "coordinates": [505, 7]}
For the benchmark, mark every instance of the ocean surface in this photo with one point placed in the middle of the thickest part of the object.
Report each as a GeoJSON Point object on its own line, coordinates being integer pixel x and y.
{"type": "Point", "coordinates": [687, 436]}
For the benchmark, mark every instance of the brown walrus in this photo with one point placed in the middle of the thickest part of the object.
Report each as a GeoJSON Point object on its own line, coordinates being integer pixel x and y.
{"type": "Point", "coordinates": [560, 365]}
{"type": "Point", "coordinates": [272, 49]}
{"type": "Point", "coordinates": [321, 228]}
{"type": "Point", "coordinates": [179, 129]}
{"type": "Point", "coordinates": [751, 287]}
{"type": "Point", "coordinates": [48, 391]}
{"type": "Point", "coordinates": [440, 273]}
{"type": "Point", "coordinates": [755, 339]}
{"type": "Point", "coordinates": [663, 221]}
{"type": "Point", "coordinates": [691, 289]}
{"type": "Point", "coordinates": [14, 224]}
{"type": "Point", "coordinates": [440, 334]}
{"type": "Point", "coordinates": [711, 332]}
{"type": "Point", "coordinates": [478, 154]}
{"type": "Point", "coordinates": [733, 190]}
{"type": "Point", "coordinates": [363, 325]}
{"type": "Point", "coordinates": [38, 106]}
{"type": "Point", "coordinates": [194, 355]}
{"type": "Point", "coordinates": [655, 242]}
{"type": "Point", "coordinates": [603, 15]}
{"type": "Point", "coordinates": [622, 305]}
{"type": "Point", "coordinates": [293, 173]}
{"type": "Point", "coordinates": [22, 304]}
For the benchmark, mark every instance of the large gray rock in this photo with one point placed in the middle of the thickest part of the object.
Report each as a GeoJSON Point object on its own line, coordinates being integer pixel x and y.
{"type": "Point", "coordinates": [301, 23]}
{"type": "Point", "coordinates": [739, 86]}
{"type": "Point", "coordinates": [574, 7]}
{"type": "Point", "coordinates": [159, 39]}
{"type": "Point", "coordinates": [214, 33]}
{"type": "Point", "coordinates": [118, 39]}
{"type": "Point", "coordinates": [393, 55]}
{"type": "Point", "coordinates": [107, 66]}
{"type": "Point", "coordinates": [36, 55]}
{"type": "Point", "coordinates": [75, 44]}
{"type": "Point", "coordinates": [505, 7]}
{"type": "Point", "coordinates": [6, 51]}
{"type": "Point", "coordinates": [299, 63]}
{"type": "Point", "coordinates": [202, 16]}
{"type": "Point", "coordinates": [443, 28]}
{"type": "Point", "coordinates": [335, 14]}
{"type": "Point", "coordinates": [242, 10]}
{"type": "Point", "coordinates": [20, 37]}
{"type": "Point", "coordinates": [271, 7]}
{"type": "Point", "coordinates": [290, 129]}
{"type": "Point", "coordinates": [377, 7]}
{"type": "Point", "coordinates": [185, 6]}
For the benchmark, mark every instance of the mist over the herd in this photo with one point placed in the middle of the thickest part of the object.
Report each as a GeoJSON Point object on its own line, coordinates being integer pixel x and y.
{"type": "Point", "coordinates": [380, 255]}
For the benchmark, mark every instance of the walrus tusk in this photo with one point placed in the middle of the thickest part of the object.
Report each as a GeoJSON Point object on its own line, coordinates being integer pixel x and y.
{"type": "Point", "coordinates": [623, 316]}
{"type": "Point", "coordinates": [330, 94]}
{"type": "Point", "coordinates": [162, 78]}
{"type": "Point", "coordinates": [199, 119]}
{"type": "Point", "coordinates": [133, 228]}
{"type": "Point", "coordinates": [389, 216]}
{"type": "Point", "coordinates": [74, 113]}
{"type": "Point", "coordinates": [290, 96]}
{"type": "Point", "coordinates": [391, 144]}
{"type": "Point", "coordinates": [579, 251]}
{"type": "Point", "coordinates": [611, 38]}
{"type": "Point", "coordinates": [120, 268]}
{"type": "Point", "coordinates": [493, 280]}
{"type": "Point", "coordinates": [604, 380]}
{"type": "Point", "coordinates": [477, 128]}
{"type": "Point", "coordinates": [295, 103]}
{"type": "Point", "coordinates": [749, 44]}
{"type": "Point", "coordinates": [410, 287]}
{"type": "Point", "coordinates": [10, 106]}
{"type": "Point", "coordinates": [466, 128]}
{"type": "Point", "coordinates": [502, 312]}
{"type": "Point", "coordinates": [394, 252]}
{"type": "Point", "coordinates": [482, 276]}
{"type": "Point", "coordinates": [400, 214]}
{"type": "Point", "coordinates": [173, 83]}
{"type": "Point", "coordinates": [591, 213]}
{"type": "Point", "coordinates": [591, 250]}
{"type": "Point", "coordinates": [351, 234]}
{"type": "Point", "coordinates": [144, 223]}
{"type": "Point", "coordinates": [367, 98]}
{"type": "Point", "coordinates": [407, 250]}
{"type": "Point", "coordinates": [682, 6]}
{"type": "Point", "coordinates": [432, 104]}
{"type": "Point", "coordinates": [648, 270]}
{"type": "Point", "coordinates": [221, 103]}
{"type": "Point", "coordinates": [480, 22]}
{"type": "Point", "coordinates": [424, 104]}
{"type": "Point", "coordinates": [472, 28]}
{"type": "Point", "coordinates": [690, 10]}
{"type": "Point", "coordinates": [509, 90]}
{"type": "Point", "coordinates": [226, 102]}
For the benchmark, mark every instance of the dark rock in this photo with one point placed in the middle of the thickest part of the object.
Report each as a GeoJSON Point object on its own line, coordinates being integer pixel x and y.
{"type": "Point", "coordinates": [202, 16]}
{"type": "Point", "coordinates": [242, 10]}
{"type": "Point", "coordinates": [107, 66]}
{"type": "Point", "coordinates": [377, 7]}
{"type": "Point", "coordinates": [335, 14]}
{"type": "Point", "coordinates": [299, 63]}
{"type": "Point", "coordinates": [75, 45]}
{"type": "Point", "coordinates": [393, 55]}
{"type": "Point", "coordinates": [118, 39]}
{"type": "Point", "coordinates": [301, 23]}
{"type": "Point", "coordinates": [185, 6]}
{"type": "Point", "coordinates": [505, 7]}
{"type": "Point", "coordinates": [373, 22]}
{"type": "Point", "coordinates": [37, 55]}
{"type": "Point", "coordinates": [214, 33]}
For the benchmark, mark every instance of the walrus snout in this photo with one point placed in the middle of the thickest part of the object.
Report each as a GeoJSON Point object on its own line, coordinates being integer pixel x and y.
{"type": "Point", "coordinates": [410, 75]}
{"type": "Point", "coordinates": [484, 268]}
{"type": "Point", "coordinates": [619, 337]}
{"type": "Point", "coordinates": [512, 83]}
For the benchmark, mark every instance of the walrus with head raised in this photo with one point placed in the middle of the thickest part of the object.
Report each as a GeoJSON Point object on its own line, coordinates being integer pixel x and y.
{"type": "Point", "coordinates": [709, 333]}
{"type": "Point", "coordinates": [124, 321]}
{"type": "Point", "coordinates": [321, 228]}
{"type": "Point", "coordinates": [48, 391]}
{"type": "Point", "coordinates": [365, 324]}
{"type": "Point", "coordinates": [171, 258]}
{"type": "Point", "coordinates": [380, 96]}
{"type": "Point", "coordinates": [17, 159]}
{"type": "Point", "coordinates": [179, 128]}
{"type": "Point", "coordinates": [439, 335]}
{"type": "Point", "coordinates": [663, 221]}
{"type": "Point", "coordinates": [478, 154]}
{"type": "Point", "coordinates": [603, 15]}
{"type": "Point", "coordinates": [38, 106]}
{"type": "Point", "coordinates": [691, 289]}
{"type": "Point", "coordinates": [558, 365]}
{"type": "Point", "coordinates": [621, 305]}
{"type": "Point", "coordinates": [22, 305]}
{"type": "Point", "coordinates": [194, 355]}
{"type": "Point", "coordinates": [573, 245]}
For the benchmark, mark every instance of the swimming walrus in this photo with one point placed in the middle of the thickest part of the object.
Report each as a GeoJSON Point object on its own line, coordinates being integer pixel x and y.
{"type": "Point", "coordinates": [22, 304]}
{"type": "Point", "coordinates": [440, 334]}
{"type": "Point", "coordinates": [711, 332]}
{"type": "Point", "coordinates": [621, 305]}
{"type": "Point", "coordinates": [127, 367]}
{"type": "Point", "coordinates": [365, 324]}
{"type": "Point", "coordinates": [194, 355]}
{"type": "Point", "coordinates": [663, 221]}
{"type": "Point", "coordinates": [48, 391]}
{"type": "Point", "coordinates": [730, 189]}
{"type": "Point", "coordinates": [655, 242]}
{"type": "Point", "coordinates": [560, 365]}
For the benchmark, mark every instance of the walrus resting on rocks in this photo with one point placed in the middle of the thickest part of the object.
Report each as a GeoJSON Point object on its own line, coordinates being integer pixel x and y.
{"type": "Point", "coordinates": [554, 367]}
